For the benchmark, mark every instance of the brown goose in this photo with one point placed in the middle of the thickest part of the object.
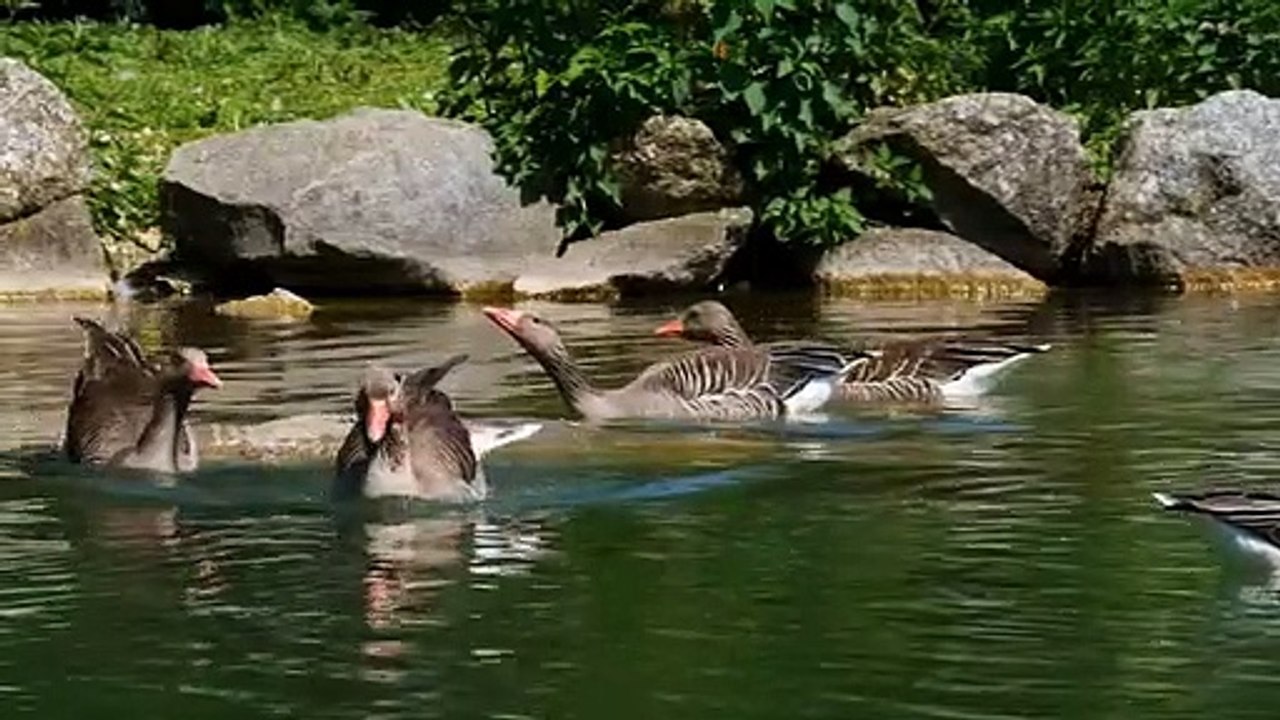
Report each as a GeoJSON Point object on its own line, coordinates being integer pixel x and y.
{"type": "Point", "coordinates": [409, 442]}
{"type": "Point", "coordinates": [714, 384]}
{"type": "Point", "coordinates": [1252, 519]}
{"type": "Point", "coordinates": [904, 371]}
{"type": "Point", "coordinates": [128, 412]}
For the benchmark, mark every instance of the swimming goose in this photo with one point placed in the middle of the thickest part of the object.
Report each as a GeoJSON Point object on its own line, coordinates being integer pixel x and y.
{"type": "Point", "coordinates": [128, 412]}
{"type": "Point", "coordinates": [710, 384]}
{"type": "Point", "coordinates": [1251, 518]}
{"type": "Point", "coordinates": [907, 371]}
{"type": "Point", "coordinates": [409, 442]}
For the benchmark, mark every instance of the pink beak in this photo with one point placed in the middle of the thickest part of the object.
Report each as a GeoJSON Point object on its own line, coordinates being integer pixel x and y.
{"type": "Point", "coordinates": [506, 319]}
{"type": "Point", "coordinates": [203, 375]}
{"type": "Point", "coordinates": [674, 328]}
{"type": "Point", "coordinates": [376, 419]}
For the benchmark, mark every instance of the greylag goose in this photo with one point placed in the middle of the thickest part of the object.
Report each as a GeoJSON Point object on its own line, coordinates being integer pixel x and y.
{"type": "Point", "coordinates": [128, 412]}
{"type": "Point", "coordinates": [711, 384]}
{"type": "Point", "coordinates": [1251, 518]}
{"type": "Point", "coordinates": [409, 442]}
{"type": "Point", "coordinates": [903, 371]}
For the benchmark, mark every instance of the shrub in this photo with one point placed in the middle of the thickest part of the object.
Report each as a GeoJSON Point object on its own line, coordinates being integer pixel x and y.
{"type": "Point", "coordinates": [558, 82]}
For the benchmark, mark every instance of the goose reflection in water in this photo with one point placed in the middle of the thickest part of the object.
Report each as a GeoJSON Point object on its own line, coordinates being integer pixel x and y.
{"type": "Point", "coordinates": [411, 561]}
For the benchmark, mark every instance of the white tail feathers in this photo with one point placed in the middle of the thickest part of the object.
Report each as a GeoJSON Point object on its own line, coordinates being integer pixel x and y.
{"type": "Point", "coordinates": [978, 379]}
{"type": "Point", "coordinates": [487, 438]}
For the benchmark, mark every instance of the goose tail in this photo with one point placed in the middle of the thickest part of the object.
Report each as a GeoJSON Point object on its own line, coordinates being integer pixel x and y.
{"type": "Point", "coordinates": [980, 377]}
{"type": "Point", "coordinates": [487, 438]}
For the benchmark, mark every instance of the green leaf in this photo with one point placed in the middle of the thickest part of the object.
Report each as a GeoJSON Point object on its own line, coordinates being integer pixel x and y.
{"type": "Point", "coordinates": [726, 26]}
{"type": "Point", "coordinates": [753, 95]}
{"type": "Point", "coordinates": [806, 112]}
{"type": "Point", "coordinates": [847, 15]}
{"type": "Point", "coordinates": [765, 8]}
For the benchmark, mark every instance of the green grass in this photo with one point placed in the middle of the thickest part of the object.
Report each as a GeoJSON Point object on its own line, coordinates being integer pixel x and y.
{"type": "Point", "coordinates": [141, 91]}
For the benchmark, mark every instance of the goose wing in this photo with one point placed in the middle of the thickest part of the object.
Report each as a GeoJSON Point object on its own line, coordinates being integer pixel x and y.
{"type": "Point", "coordinates": [1255, 513]}
{"type": "Point", "coordinates": [108, 353]}
{"type": "Point", "coordinates": [439, 443]}
{"type": "Point", "coordinates": [701, 373]}
{"type": "Point", "coordinates": [113, 396]}
{"type": "Point", "coordinates": [936, 359]}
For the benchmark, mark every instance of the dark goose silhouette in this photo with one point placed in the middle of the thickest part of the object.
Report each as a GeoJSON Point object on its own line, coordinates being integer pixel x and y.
{"type": "Point", "coordinates": [129, 412]}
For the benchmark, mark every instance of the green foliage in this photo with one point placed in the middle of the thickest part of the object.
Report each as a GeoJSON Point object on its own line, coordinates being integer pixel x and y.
{"type": "Point", "coordinates": [558, 83]}
{"type": "Point", "coordinates": [1102, 60]}
{"type": "Point", "coordinates": [141, 91]}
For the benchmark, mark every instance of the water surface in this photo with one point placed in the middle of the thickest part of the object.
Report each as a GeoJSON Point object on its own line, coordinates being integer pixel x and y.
{"type": "Point", "coordinates": [997, 562]}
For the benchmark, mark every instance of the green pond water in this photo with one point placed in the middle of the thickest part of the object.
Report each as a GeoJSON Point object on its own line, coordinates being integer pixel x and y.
{"type": "Point", "coordinates": [1003, 561]}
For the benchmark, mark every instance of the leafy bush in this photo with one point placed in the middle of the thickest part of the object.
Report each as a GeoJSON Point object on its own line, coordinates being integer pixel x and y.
{"type": "Point", "coordinates": [141, 91]}
{"type": "Point", "coordinates": [1102, 60]}
{"type": "Point", "coordinates": [558, 82]}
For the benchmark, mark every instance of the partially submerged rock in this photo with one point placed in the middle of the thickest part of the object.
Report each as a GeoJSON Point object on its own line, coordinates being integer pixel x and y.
{"type": "Point", "coordinates": [675, 166]}
{"type": "Point", "coordinates": [278, 303]}
{"type": "Point", "coordinates": [372, 202]}
{"type": "Point", "coordinates": [903, 263]}
{"type": "Point", "coordinates": [297, 438]}
{"type": "Point", "coordinates": [1005, 173]}
{"type": "Point", "coordinates": [688, 252]}
{"type": "Point", "coordinates": [1195, 196]}
{"type": "Point", "coordinates": [47, 244]}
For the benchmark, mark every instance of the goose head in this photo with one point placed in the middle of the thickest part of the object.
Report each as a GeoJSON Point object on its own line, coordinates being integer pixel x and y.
{"type": "Point", "coordinates": [706, 321]}
{"type": "Point", "coordinates": [190, 366]}
{"type": "Point", "coordinates": [375, 400]}
{"type": "Point", "coordinates": [537, 336]}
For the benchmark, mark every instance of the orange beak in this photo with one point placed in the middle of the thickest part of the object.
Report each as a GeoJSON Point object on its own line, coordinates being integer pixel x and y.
{"type": "Point", "coordinates": [504, 318]}
{"type": "Point", "coordinates": [203, 375]}
{"type": "Point", "coordinates": [675, 328]}
{"type": "Point", "coordinates": [375, 420]}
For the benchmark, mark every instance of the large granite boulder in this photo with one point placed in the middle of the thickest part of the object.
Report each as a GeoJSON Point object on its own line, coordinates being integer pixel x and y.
{"type": "Point", "coordinates": [674, 166]}
{"type": "Point", "coordinates": [1004, 172]}
{"type": "Point", "coordinates": [52, 253]}
{"type": "Point", "coordinates": [689, 252]}
{"type": "Point", "coordinates": [47, 243]}
{"type": "Point", "coordinates": [1196, 196]}
{"type": "Point", "coordinates": [913, 263]}
{"type": "Point", "coordinates": [370, 202]}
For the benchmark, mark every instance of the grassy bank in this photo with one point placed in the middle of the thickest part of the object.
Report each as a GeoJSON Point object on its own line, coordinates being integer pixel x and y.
{"type": "Point", "coordinates": [143, 91]}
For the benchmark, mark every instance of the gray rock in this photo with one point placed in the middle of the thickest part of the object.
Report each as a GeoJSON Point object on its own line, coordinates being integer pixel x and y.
{"type": "Point", "coordinates": [1005, 173]}
{"type": "Point", "coordinates": [52, 253]}
{"type": "Point", "coordinates": [372, 201]}
{"type": "Point", "coordinates": [1196, 193]}
{"type": "Point", "coordinates": [684, 253]}
{"type": "Point", "coordinates": [913, 263]}
{"type": "Point", "coordinates": [675, 166]}
{"type": "Point", "coordinates": [42, 145]}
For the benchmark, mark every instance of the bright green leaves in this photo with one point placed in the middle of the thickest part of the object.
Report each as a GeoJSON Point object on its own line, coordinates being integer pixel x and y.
{"type": "Point", "coordinates": [753, 96]}
{"type": "Point", "coordinates": [777, 80]}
